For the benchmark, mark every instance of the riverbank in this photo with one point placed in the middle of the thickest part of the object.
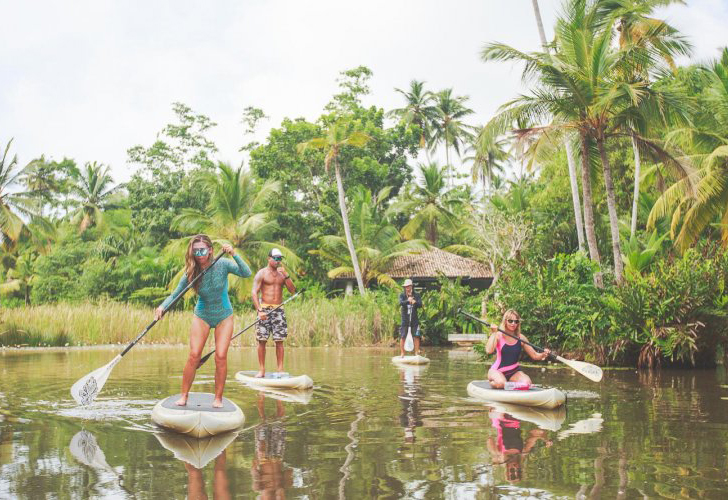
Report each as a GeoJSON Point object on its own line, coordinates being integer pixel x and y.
{"type": "Point", "coordinates": [345, 321]}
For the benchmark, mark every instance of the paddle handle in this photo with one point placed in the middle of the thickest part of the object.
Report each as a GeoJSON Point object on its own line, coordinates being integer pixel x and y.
{"type": "Point", "coordinates": [537, 348]}
{"type": "Point", "coordinates": [171, 304]}
{"type": "Point", "coordinates": [207, 356]}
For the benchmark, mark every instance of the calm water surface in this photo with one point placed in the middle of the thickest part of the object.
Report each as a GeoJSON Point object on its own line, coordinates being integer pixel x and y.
{"type": "Point", "coordinates": [368, 430]}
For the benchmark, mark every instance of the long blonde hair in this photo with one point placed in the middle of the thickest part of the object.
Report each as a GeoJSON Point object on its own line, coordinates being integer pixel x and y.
{"type": "Point", "coordinates": [192, 268]}
{"type": "Point", "coordinates": [509, 314]}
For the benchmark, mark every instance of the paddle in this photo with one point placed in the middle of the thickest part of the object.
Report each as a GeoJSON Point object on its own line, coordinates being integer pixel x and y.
{"type": "Point", "coordinates": [85, 390]}
{"type": "Point", "coordinates": [590, 371]}
{"type": "Point", "coordinates": [207, 356]}
{"type": "Point", "coordinates": [409, 344]}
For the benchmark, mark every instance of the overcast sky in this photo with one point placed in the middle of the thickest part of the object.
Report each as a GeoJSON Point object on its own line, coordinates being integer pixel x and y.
{"type": "Point", "coordinates": [89, 79]}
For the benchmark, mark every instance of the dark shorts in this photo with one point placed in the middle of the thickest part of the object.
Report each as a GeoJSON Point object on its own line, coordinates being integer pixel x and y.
{"type": "Point", "coordinates": [415, 332]}
{"type": "Point", "coordinates": [510, 373]}
{"type": "Point", "coordinates": [275, 325]}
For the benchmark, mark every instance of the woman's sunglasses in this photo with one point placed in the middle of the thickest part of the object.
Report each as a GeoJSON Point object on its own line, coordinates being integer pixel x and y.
{"type": "Point", "coordinates": [201, 252]}
{"type": "Point", "coordinates": [513, 321]}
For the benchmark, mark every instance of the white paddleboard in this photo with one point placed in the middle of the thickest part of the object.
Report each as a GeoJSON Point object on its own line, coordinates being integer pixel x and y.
{"type": "Point", "coordinates": [198, 418]}
{"type": "Point", "coordinates": [275, 380]}
{"type": "Point", "coordinates": [410, 360]}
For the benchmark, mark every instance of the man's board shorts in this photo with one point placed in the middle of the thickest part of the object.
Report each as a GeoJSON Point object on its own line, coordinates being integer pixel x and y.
{"type": "Point", "coordinates": [403, 332]}
{"type": "Point", "coordinates": [274, 325]}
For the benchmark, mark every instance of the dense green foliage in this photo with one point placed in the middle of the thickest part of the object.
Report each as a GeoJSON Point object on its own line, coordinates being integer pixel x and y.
{"type": "Point", "coordinates": [345, 194]}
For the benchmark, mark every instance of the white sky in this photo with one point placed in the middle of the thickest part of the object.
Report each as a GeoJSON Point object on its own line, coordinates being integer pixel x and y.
{"type": "Point", "coordinates": [89, 79]}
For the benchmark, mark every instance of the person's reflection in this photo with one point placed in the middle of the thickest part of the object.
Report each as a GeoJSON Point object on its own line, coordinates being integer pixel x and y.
{"type": "Point", "coordinates": [508, 447]}
{"type": "Point", "coordinates": [196, 483]}
{"type": "Point", "coordinates": [270, 477]}
{"type": "Point", "coordinates": [410, 398]}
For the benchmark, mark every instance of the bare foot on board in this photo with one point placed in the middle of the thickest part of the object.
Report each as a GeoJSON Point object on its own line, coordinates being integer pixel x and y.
{"type": "Point", "coordinates": [260, 374]}
{"type": "Point", "coordinates": [217, 403]}
{"type": "Point", "coordinates": [182, 401]}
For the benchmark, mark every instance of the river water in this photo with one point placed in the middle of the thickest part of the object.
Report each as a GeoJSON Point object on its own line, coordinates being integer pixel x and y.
{"type": "Point", "coordinates": [368, 430]}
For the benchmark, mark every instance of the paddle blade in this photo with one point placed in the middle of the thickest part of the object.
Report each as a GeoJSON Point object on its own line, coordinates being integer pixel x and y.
{"type": "Point", "coordinates": [85, 390]}
{"type": "Point", "coordinates": [84, 449]}
{"type": "Point", "coordinates": [590, 371]}
{"type": "Point", "coordinates": [409, 343]}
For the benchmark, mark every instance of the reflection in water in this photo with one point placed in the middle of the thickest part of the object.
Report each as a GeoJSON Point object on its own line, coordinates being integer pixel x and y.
{"type": "Point", "coordinates": [198, 452]}
{"type": "Point", "coordinates": [410, 396]}
{"type": "Point", "coordinates": [84, 448]}
{"type": "Point", "coordinates": [270, 475]}
{"type": "Point", "coordinates": [508, 447]}
{"type": "Point", "coordinates": [220, 483]}
{"type": "Point", "coordinates": [589, 425]}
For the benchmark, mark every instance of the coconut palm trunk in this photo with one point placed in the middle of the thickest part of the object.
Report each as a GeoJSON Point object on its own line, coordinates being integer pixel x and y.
{"type": "Point", "coordinates": [591, 236]}
{"type": "Point", "coordinates": [612, 209]}
{"type": "Point", "coordinates": [635, 201]}
{"type": "Point", "coordinates": [569, 150]}
{"type": "Point", "coordinates": [347, 229]}
{"type": "Point", "coordinates": [575, 193]}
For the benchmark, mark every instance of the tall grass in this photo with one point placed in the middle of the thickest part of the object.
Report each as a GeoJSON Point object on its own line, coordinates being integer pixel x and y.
{"type": "Point", "coordinates": [345, 321]}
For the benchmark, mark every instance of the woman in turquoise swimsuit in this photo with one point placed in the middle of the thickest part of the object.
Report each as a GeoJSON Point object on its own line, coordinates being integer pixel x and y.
{"type": "Point", "coordinates": [213, 309]}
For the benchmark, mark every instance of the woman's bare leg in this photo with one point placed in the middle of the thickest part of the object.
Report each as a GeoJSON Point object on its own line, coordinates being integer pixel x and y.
{"type": "Point", "coordinates": [521, 377]}
{"type": "Point", "coordinates": [198, 336]}
{"type": "Point", "coordinates": [497, 379]}
{"type": "Point", "coordinates": [223, 334]}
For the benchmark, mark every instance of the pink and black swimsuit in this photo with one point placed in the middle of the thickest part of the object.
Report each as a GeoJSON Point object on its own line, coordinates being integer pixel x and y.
{"type": "Point", "coordinates": [507, 357]}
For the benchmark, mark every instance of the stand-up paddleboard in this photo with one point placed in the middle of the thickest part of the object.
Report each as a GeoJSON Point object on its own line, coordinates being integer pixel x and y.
{"type": "Point", "coordinates": [410, 360]}
{"type": "Point", "coordinates": [535, 396]}
{"type": "Point", "coordinates": [544, 418]}
{"type": "Point", "coordinates": [275, 380]}
{"type": "Point", "coordinates": [197, 452]}
{"type": "Point", "coordinates": [300, 396]}
{"type": "Point", "coordinates": [198, 418]}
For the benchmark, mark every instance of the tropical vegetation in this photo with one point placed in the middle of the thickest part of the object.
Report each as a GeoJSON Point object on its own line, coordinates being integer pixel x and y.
{"type": "Point", "coordinates": [597, 198]}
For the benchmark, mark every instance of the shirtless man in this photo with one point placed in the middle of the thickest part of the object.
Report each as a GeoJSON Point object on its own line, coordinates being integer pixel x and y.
{"type": "Point", "coordinates": [269, 282]}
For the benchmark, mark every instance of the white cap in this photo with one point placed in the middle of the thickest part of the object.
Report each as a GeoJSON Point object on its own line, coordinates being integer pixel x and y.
{"type": "Point", "coordinates": [275, 253]}
{"type": "Point", "coordinates": [407, 282]}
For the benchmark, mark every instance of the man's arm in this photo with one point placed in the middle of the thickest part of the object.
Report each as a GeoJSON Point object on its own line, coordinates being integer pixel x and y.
{"type": "Point", "coordinates": [418, 299]}
{"type": "Point", "coordinates": [256, 289]}
{"type": "Point", "coordinates": [287, 280]}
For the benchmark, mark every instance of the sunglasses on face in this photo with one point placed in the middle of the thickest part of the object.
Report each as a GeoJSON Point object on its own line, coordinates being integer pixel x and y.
{"type": "Point", "coordinates": [200, 252]}
{"type": "Point", "coordinates": [277, 258]}
{"type": "Point", "coordinates": [513, 321]}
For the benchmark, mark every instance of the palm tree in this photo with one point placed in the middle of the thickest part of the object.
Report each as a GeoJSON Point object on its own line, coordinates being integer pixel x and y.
{"type": "Point", "coordinates": [377, 241]}
{"type": "Point", "coordinates": [570, 155]}
{"type": "Point", "coordinates": [429, 203]}
{"type": "Point", "coordinates": [695, 207]}
{"type": "Point", "coordinates": [20, 277]}
{"type": "Point", "coordinates": [418, 110]}
{"type": "Point", "coordinates": [637, 30]}
{"type": "Point", "coordinates": [339, 136]}
{"type": "Point", "coordinates": [237, 213]}
{"type": "Point", "coordinates": [448, 125]}
{"type": "Point", "coordinates": [582, 88]}
{"type": "Point", "coordinates": [13, 202]}
{"type": "Point", "coordinates": [487, 156]}
{"type": "Point", "coordinates": [92, 186]}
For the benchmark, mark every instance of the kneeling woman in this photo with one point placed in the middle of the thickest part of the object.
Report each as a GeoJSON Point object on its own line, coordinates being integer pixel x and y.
{"type": "Point", "coordinates": [213, 309]}
{"type": "Point", "coordinates": [508, 352]}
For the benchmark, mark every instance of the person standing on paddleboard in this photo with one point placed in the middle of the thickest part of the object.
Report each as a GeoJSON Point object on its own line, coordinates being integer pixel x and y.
{"type": "Point", "coordinates": [269, 283]}
{"type": "Point", "coordinates": [508, 352]}
{"type": "Point", "coordinates": [409, 302]}
{"type": "Point", "coordinates": [213, 309]}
